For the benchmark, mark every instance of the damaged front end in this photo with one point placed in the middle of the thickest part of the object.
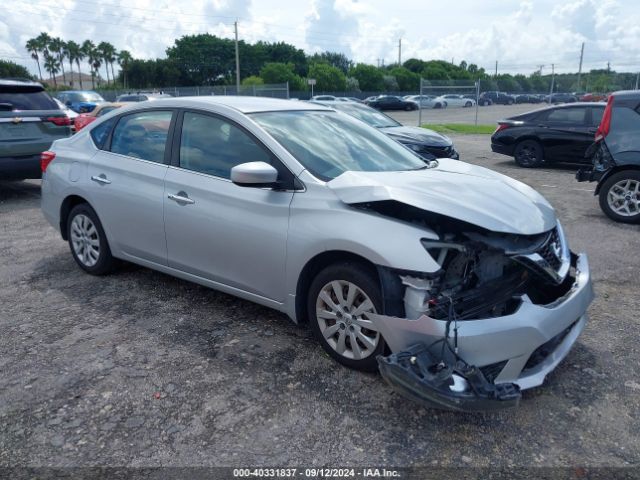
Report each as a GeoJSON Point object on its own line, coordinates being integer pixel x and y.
{"type": "Point", "coordinates": [500, 313]}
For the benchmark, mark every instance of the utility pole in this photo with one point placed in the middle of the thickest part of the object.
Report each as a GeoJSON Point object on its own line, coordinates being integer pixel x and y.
{"type": "Point", "coordinates": [637, 78]}
{"type": "Point", "coordinates": [553, 78]}
{"type": "Point", "coordinates": [580, 67]}
{"type": "Point", "coordinates": [237, 60]}
{"type": "Point", "coordinates": [496, 75]}
{"type": "Point", "coordinates": [540, 71]}
{"type": "Point", "coordinates": [400, 52]}
{"type": "Point", "coordinates": [378, 62]}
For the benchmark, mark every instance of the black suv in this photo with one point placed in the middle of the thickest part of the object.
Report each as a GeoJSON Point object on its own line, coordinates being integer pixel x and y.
{"type": "Point", "coordinates": [615, 157]}
{"type": "Point", "coordinates": [30, 121]}
{"type": "Point", "coordinates": [498, 97]}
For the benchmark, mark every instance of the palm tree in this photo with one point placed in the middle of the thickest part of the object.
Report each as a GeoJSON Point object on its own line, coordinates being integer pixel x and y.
{"type": "Point", "coordinates": [106, 52]}
{"type": "Point", "coordinates": [33, 47]}
{"type": "Point", "coordinates": [111, 58]}
{"type": "Point", "coordinates": [57, 46]}
{"type": "Point", "coordinates": [73, 53]}
{"type": "Point", "coordinates": [88, 49]}
{"type": "Point", "coordinates": [79, 55]}
{"type": "Point", "coordinates": [51, 65]}
{"type": "Point", "coordinates": [124, 58]}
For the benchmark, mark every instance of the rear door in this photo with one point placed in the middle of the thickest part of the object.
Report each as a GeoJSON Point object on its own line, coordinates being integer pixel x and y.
{"type": "Point", "coordinates": [565, 133]}
{"type": "Point", "coordinates": [128, 183]}
{"type": "Point", "coordinates": [215, 229]}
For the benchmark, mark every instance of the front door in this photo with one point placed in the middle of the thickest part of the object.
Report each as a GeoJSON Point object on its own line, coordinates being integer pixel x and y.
{"type": "Point", "coordinates": [216, 229]}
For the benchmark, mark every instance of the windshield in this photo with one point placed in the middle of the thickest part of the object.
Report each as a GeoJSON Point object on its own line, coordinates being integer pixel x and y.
{"type": "Point", "coordinates": [85, 97]}
{"type": "Point", "coordinates": [366, 114]}
{"type": "Point", "coordinates": [330, 143]}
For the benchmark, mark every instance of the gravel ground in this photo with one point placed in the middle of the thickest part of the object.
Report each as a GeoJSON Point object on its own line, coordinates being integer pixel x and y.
{"type": "Point", "coordinates": [141, 369]}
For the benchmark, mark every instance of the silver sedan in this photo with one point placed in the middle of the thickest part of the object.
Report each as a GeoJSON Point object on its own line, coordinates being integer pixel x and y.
{"type": "Point", "coordinates": [309, 211]}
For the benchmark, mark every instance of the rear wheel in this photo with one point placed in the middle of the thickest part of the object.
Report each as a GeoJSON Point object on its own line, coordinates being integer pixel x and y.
{"type": "Point", "coordinates": [528, 154]}
{"type": "Point", "coordinates": [88, 242]}
{"type": "Point", "coordinates": [339, 302]}
{"type": "Point", "coordinates": [620, 197]}
{"type": "Point", "coordinates": [468, 104]}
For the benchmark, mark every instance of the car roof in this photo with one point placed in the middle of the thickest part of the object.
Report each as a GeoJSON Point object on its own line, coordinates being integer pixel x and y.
{"type": "Point", "coordinates": [19, 82]}
{"type": "Point", "coordinates": [242, 104]}
{"type": "Point", "coordinates": [626, 94]}
{"type": "Point", "coordinates": [78, 91]}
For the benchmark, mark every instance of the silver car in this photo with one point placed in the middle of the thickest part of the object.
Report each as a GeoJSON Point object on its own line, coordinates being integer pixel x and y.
{"type": "Point", "coordinates": [455, 281]}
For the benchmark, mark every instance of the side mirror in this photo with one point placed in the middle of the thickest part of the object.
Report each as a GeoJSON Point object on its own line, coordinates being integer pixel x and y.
{"type": "Point", "coordinates": [254, 174]}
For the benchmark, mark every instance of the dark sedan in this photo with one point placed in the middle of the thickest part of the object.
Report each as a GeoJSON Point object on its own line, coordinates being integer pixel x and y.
{"type": "Point", "coordinates": [391, 102]}
{"type": "Point", "coordinates": [426, 143]}
{"type": "Point", "coordinates": [554, 134]}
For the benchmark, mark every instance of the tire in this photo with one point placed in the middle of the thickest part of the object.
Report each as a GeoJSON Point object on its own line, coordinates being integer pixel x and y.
{"type": "Point", "coordinates": [437, 105]}
{"type": "Point", "coordinates": [87, 241]}
{"type": "Point", "coordinates": [342, 330]}
{"type": "Point", "coordinates": [620, 196]}
{"type": "Point", "coordinates": [528, 154]}
{"type": "Point", "coordinates": [510, 102]}
{"type": "Point", "coordinates": [468, 104]}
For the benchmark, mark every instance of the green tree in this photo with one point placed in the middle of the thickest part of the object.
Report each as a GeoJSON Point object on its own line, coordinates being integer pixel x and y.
{"type": "Point", "coordinates": [124, 59]}
{"type": "Point", "coordinates": [253, 80]}
{"type": "Point", "coordinates": [11, 69]}
{"type": "Point", "coordinates": [89, 51]}
{"type": "Point", "coordinates": [370, 78]}
{"type": "Point", "coordinates": [338, 60]}
{"type": "Point", "coordinates": [408, 81]}
{"type": "Point", "coordinates": [51, 65]}
{"type": "Point", "coordinates": [328, 78]}
{"type": "Point", "coordinates": [33, 47]}
{"type": "Point", "coordinates": [74, 51]}
{"type": "Point", "coordinates": [57, 47]}
{"type": "Point", "coordinates": [276, 72]}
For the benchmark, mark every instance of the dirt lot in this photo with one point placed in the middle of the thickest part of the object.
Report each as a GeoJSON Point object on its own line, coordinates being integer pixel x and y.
{"type": "Point", "coordinates": [142, 369]}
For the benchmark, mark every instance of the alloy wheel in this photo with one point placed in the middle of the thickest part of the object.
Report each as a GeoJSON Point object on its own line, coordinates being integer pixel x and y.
{"type": "Point", "coordinates": [85, 240]}
{"type": "Point", "coordinates": [342, 310]}
{"type": "Point", "coordinates": [624, 197]}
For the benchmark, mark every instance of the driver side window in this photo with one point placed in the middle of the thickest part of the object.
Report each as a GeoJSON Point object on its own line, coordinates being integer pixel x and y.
{"type": "Point", "coordinates": [213, 146]}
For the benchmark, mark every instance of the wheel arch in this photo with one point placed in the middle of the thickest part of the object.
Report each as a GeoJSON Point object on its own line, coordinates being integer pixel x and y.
{"type": "Point", "coordinates": [613, 171]}
{"type": "Point", "coordinates": [65, 209]}
{"type": "Point", "coordinates": [314, 266]}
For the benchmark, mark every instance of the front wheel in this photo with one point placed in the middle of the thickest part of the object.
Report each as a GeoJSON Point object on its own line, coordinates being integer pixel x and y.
{"type": "Point", "coordinates": [340, 299]}
{"type": "Point", "coordinates": [88, 241]}
{"type": "Point", "coordinates": [468, 104]}
{"type": "Point", "coordinates": [528, 154]}
{"type": "Point", "coordinates": [620, 197]}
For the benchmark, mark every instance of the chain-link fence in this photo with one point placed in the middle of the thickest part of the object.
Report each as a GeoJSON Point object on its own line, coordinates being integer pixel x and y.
{"type": "Point", "coordinates": [280, 90]}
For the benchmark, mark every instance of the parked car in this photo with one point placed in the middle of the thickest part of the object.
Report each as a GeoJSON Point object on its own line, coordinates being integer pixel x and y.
{"type": "Point", "coordinates": [30, 120]}
{"type": "Point", "coordinates": [463, 274]}
{"type": "Point", "coordinates": [426, 143]}
{"type": "Point", "coordinates": [323, 97]}
{"type": "Point", "coordinates": [67, 111]}
{"type": "Point", "coordinates": [615, 158]}
{"type": "Point", "coordinates": [593, 97]}
{"type": "Point", "coordinates": [391, 102]}
{"type": "Point", "coordinates": [498, 97]}
{"type": "Point", "coordinates": [85, 119]}
{"type": "Point", "coordinates": [560, 98]}
{"type": "Point", "coordinates": [141, 96]}
{"type": "Point", "coordinates": [454, 100]}
{"type": "Point", "coordinates": [426, 101]}
{"type": "Point", "coordinates": [528, 98]}
{"type": "Point", "coordinates": [80, 101]}
{"type": "Point", "coordinates": [553, 134]}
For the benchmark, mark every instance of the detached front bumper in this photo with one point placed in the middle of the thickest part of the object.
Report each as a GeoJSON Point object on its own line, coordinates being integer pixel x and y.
{"type": "Point", "coordinates": [521, 348]}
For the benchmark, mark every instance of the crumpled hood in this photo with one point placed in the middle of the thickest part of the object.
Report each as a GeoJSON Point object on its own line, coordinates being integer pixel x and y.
{"type": "Point", "coordinates": [456, 189]}
{"type": "Point", "coordinates": [417, 134]}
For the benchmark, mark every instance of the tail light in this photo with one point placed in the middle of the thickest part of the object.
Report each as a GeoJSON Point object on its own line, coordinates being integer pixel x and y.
{"type": "Point", "coordinates": [502, 126]}
{"type": "Point", "coordinates": [605, 123]}
{"type": "Point", "coordinates": [45, 159]}
{"type": "Point", "coordinates": [59, 121]}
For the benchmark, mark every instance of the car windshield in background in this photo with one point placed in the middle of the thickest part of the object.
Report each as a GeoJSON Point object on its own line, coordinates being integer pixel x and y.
{"type": "Point", "coordinates": [329, 144]}
{"type": "Point", "coordinates": [27, 99]}
{"type": "Point", "coordinates": [367, 115]}
{"type": "Point", "coordinates": [85, 97]}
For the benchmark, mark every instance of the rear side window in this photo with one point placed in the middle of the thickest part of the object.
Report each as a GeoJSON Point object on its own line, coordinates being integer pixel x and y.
{"type": "Point", "coordinates": [627, 120]}
{"type": "Point", "coordinates": [100, 133]}
{"type": "Point", "coordinates": [21, 99]}
{"type": "Point", "coordinates": [567, 115]}
{"type": "Point", "coordinates": [142, 135]}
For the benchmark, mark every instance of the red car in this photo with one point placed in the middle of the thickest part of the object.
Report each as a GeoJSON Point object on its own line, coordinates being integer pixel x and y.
{"type": "Point", "coordinates": [593, 97]}
{"type": "Point", "coordinates": [85, 119]}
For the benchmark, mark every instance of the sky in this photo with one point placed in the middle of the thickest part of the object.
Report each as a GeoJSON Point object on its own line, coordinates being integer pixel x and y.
{"type": "Point", "coordinates": [521, 35]}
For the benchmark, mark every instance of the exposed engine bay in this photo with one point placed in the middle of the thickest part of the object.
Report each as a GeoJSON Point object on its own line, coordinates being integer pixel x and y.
{"type": "Point", "coordinates": [481, 275]}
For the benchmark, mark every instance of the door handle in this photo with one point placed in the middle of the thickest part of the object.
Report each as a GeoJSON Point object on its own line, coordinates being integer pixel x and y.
{"type": "Point", "coordinates": [101, 179]}
{"type": "Point", "coordinates": [181, 197]}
